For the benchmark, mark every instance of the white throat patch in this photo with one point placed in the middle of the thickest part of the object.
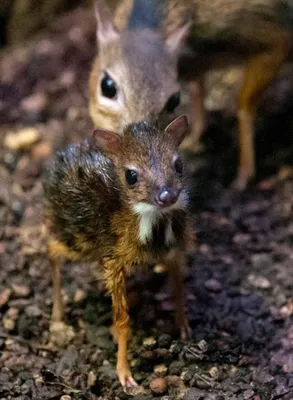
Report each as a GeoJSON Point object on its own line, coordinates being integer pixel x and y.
{"type": "Point", "coordinates": [149, 215]}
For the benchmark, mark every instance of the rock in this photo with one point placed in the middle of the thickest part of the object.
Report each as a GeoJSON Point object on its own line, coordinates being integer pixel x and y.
{"type": "Point", "coordinates": [22, 140]}
{"type": "Point", "coordinates": [213, 285]}
{"type": "Point", "coordinates": [214, 372]}
{"type": "Point", "coordinates": [195, 394]}
{"type": "Point", "coordinates": [33, 311]}
{"type": "Point", "coordinates": [91, 378]}
{"type": "Point", "coordinates": [65, 397]}
{"type": "Point", "coordinates": [149, 342]}
{"type": "Point", "coordinates": [261, 260]}
{"type": "Point", "coordinates": [176, 367]}
{"type": "Point", "coordinates": [164, 340]}
{"type": "Point", "coordinates": [42, 151]}
{"type": "Point", "coordinates": [160, 370]}
{"type": "Point", "coordinates": [68, 360]}
{"type": "Point", "coordinates": [259, 281]}
{"type": "Point", "coordinates": [35, 105]}
{"type": "Point", "coordinates": [79, 295]}
{"type": "Point", "coordinates": [202, 345]}
{"type": "Point", "coordinates": [159, 385]}
{"type": "Point", "coordinates": [248, 394]}
{"type": "Point", "coordinates": [136, 391]}
{"type": "Point", "coordinates": [20, 290]}
{"type": "Point", "coordinates": [8, 324]}
{"type": "Point", "coordinates": [4, 296]}
{"type": "Point", "coordinates": [107, 374]}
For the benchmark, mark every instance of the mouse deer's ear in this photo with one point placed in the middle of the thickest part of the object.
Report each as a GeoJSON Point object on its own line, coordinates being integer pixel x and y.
{"type": "Point", "coordinates": [107, 141]}
{"type": "Point", "coordinates": [175, 38]}
{"type": "Point", "coordinates": [178, 129]}
{"type": "Point", "coordinates": [106, 31]}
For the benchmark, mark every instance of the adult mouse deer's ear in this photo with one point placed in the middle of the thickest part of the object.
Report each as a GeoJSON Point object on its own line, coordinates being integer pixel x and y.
{"type": "Point", "coordinates": [106, 31]}
{"type": "Point", "coordinates": [107, 141]}
{"type": "Point", "coordinates": [178, 129]}
{"type": "Point", "coordinates": [176, 37]}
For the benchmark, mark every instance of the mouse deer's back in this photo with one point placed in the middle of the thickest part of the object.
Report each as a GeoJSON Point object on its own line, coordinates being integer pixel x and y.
{"type": "Point", "coordinates": [134, 76]}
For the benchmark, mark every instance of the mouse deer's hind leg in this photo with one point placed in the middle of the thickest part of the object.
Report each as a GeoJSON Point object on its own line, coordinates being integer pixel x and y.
{"type": "Point", "coordinates": [260, 72]}
{"type": "Point", "coordinates": [60, 333]}
{"type": "Point", "coordinates": [58, 307]}
{"type": "Point", "coordinates": [175, 262]}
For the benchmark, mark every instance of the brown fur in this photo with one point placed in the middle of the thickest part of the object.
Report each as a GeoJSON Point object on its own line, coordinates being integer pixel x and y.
{"type": "Point", "coordinates": [90, 215]}
{"type": "Point", "coordinates": [222, 33]}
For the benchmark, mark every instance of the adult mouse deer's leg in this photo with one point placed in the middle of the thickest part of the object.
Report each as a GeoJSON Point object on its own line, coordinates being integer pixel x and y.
{"type": "Point", "coordinates": [260, 72]}
{"type": "Point", "coordinates": [60, 333]}
{"type": "Point", "coordinates": [58, 307]}
{"type": "Point", "coordinates": [198, 115]}
{"type": "Point", "coordinates": [116, 284]}
{"type": "Point", "coordinates": [175, 263]}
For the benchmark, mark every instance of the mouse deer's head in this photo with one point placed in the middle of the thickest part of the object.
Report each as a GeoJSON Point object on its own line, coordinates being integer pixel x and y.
{"type": "Point", "coordinates": [134, 77]}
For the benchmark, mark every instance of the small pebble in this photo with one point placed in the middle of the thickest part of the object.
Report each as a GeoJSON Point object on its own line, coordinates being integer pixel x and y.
{"type": "Point", "coordinates": [261, 260]}
{"type": "Point", "coordinates": [65, 397]}
{"type": "Point", "coordinates": [259, 281]}
{"type": "Point", "coordinates": [42, 150]}
{"type": "Point", "coordinates": [4, 296]}
{"type": "Point", "coordinates": [159, 385]}
{"type": "Point", "coordinates": [22, 140]}
{"type": "Point", "coordinates": [34, 104]}
{"type": "Point", "coordinates": [214, 372]}
{"type": "Point", "coordinates": [213, 285]}
{"type": "Point", "coordinates": [203, 346]}
{"type": "Point", "coordinates": [91, 378]}
{"type": "Point", "coordinates": [8, 324]}
{"type": "Point", "coordinates": [248, 394]}
{"type": "Point", "coordinates": [33, 311]}
{"type": "Point", "coordinates": [160, 370]}
{"type": "Point", "coordinates": [149, 342]}
{"type": "Point", "coordinates": [79, 295]}
{"type": "Point", "coordinates": [20, 290]}
{"type": "Point", "coordinates": [164, 340]}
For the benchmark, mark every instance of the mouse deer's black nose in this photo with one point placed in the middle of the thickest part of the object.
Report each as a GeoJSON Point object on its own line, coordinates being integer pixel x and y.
{"type": "Point", "coordinates": [167, 196]}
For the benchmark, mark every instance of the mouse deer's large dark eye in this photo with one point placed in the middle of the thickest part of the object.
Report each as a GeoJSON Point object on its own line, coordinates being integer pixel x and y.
{"type": "Point", "coordinates": [131, 177]}
{"type": "Point", "coordinates": [178, 165]}
{"type": "Point", "coordinates": [173, 102]}
{"type": "Point", "coordinates": [108, 87]}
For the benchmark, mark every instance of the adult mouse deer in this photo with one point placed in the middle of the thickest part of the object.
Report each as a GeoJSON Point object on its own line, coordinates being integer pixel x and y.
{"type": "Point", "coordinates": [135, 74]}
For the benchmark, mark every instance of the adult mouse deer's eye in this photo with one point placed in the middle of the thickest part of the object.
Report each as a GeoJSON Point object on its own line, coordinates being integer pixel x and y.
{"type": "Point", "coordinates": [178, 165]}
{"type": "Point", "coordinates": [108, 87]}
{"type": "Point", "coordinates": [173, 102]}
{"type": "Point", "coordinates": [131, 177]}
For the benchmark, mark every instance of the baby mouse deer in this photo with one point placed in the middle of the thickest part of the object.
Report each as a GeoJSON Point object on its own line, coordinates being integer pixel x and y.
{"type": "Point", "coordinates": [135, 75]}
{"type": "Point", "coordinates": [120, 200]}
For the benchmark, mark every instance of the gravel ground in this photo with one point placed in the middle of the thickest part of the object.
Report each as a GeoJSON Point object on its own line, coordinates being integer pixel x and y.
{"type": "Point", "coordinates": [238, 284]}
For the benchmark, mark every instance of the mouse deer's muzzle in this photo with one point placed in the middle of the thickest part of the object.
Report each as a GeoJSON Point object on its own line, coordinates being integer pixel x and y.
{"type": "Point", "coordinates": [166, 197]}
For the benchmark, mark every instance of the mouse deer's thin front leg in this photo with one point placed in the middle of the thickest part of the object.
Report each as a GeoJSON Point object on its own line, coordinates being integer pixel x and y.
{"type": "Point", "coordinates": [115, 277]}
{"type": "Point", "coordinates": [260, 72]}
{"type": "Point", "coordinates": [175, 263]}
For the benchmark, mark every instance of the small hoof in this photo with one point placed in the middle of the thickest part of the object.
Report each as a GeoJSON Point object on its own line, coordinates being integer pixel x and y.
{"type": "Point", "coordinates": [241, 182]}
{"type": "Point", "coordinates": [61, 334]}
{"type": "Point", "coordinates": [185, 332]}
{"type": "Point", "coordinates": [126, 380]}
